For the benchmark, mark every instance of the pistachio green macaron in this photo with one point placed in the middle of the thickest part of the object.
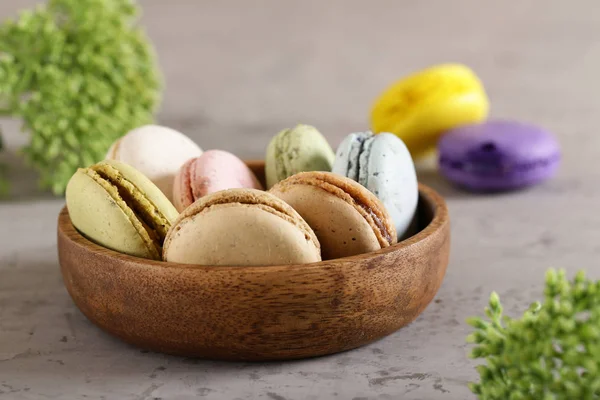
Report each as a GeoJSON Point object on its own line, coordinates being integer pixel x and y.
{"type": "Point", "coordinates": [300, 149]}
{"type": "Point", "coordinates": [116, 206]}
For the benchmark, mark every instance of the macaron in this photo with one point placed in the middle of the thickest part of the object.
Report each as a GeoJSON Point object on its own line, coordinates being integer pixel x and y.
{"type": "Point", "coordinates": [238, 227]}
{"type": "Point", "coordinates": [213, 171]}
{"type": "Point", "coordinates": [156, 151]}
{"type": "Point", "coordinates": [498, 155]}
{"type": "Point", "coordinates": [116, 206]}
{"type": "Point", "coordinates": [346, 217]}
{"type": "Point", "coordinates": [423, 105]}
{"type": "Point", "coordinates": [300, 149]}
{"type": "Point", "coordinates": [382, 164]}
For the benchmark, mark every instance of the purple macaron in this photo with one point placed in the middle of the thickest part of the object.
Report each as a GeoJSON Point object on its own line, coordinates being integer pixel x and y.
{"type": "Point", "coordinates": [498, 155]}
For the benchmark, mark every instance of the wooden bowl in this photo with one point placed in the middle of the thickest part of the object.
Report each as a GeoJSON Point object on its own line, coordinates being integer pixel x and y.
{"type": "Point", "coordinates": [258, 313]}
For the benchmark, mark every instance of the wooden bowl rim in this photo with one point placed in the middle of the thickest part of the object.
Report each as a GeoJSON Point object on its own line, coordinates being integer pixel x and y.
{"type": "Point", "coordinates": [434, 200]}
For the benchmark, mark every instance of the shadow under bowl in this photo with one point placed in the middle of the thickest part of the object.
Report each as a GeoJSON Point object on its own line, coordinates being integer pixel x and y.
{"type": "Point", "coordinates": [259, 313]}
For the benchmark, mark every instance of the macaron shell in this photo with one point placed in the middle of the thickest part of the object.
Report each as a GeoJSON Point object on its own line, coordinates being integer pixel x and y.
{"type": "Point", "coordinates": [300, 149]}
{"type": "Point", "coordinates": [239, 234]}
{"type": "Point", "coordinates": [519, 140]}
{"type": "Point", "coordinates": [241, 229]}
{"type": "Point", "coordinates": [421, 106]}
{"type": "Point", "coordinates": [388, 171]}
{"type": "Point", "coordinates": [341, 230]}
{"type": "Point", "coordinates": [421, 132]}
{"type": "Point", "coordinates": [97, 216]}
{"type": "Point", "coordinates": [157, 152]}
{"type": "Point", "coordinates": [213, 171]}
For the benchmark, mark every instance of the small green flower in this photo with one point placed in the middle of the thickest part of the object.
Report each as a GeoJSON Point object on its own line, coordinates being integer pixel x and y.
{"type": "Point", "coordinates": [552, 352]}
{"type": "Point", "coordinates": [79, 74]}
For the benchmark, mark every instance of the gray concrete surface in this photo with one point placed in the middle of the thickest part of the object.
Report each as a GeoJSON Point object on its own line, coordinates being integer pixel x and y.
{"type": "Point", "coordinates": [237, 72]}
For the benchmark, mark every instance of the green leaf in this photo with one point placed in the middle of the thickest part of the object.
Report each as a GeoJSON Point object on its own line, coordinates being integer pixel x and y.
{"type": "Point", "coordinates": [477, 322]}
{"type": "Point", "coordinates": [495, 302]}
{"type": "Point", "coordinates": [475, 388]}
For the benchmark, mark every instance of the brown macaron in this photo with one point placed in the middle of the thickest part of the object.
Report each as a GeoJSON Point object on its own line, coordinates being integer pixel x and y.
{"type": "Point", "coordinates": [241, 227]}
{"type": "Point", "coordinates": [346, 217]}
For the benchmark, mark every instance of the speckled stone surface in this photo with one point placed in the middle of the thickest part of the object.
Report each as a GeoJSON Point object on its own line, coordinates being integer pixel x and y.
{"type": "Point", "coordinates": [237, 75]}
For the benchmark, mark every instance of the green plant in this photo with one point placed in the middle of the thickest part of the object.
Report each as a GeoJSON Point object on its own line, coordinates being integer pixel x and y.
{"type": "Point", "coordinates": [3, 168]}
{"type": "Point", "coordinates": [551, 353]}
{"type": "Point", "coordinates": [79, 74]}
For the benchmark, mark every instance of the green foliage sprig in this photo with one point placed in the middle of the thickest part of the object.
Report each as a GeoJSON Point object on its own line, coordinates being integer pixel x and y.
{"type": "Point", "coordinates": [551, 353]}
{"type": "Point", "coordinates": [3, 179]}
{"type": "Point", "coordinates": [79, 74]}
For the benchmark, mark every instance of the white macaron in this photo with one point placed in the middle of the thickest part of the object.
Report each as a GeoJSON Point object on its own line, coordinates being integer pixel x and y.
{"type": "Point", "coordinates": [157, 152]}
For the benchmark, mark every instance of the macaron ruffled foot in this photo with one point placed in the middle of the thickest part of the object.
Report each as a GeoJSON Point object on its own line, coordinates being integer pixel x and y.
{"type": "Point", "coordinates": [300, 149]}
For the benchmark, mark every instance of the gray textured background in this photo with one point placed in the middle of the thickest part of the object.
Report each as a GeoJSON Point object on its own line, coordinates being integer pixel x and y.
{"type": "Point", "coordinates": [237, 72]}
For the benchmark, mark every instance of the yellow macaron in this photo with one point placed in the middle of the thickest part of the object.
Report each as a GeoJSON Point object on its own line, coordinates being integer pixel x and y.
{"type": "Point", "coordinates": [423, 105]}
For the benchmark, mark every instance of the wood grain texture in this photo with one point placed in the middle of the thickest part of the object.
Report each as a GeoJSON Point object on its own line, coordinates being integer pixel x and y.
{"type": "Point", "coordinates": [258, 313]}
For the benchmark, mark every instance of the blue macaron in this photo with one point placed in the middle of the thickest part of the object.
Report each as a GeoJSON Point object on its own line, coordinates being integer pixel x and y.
{"type": "Point", "coordinates": [382, 164]}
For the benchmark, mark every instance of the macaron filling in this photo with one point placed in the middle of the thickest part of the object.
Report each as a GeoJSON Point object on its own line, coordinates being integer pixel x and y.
{"type": "Point", "coordinates": [356, 152]}
{"type": "Point", "coordinates": [380, 225]}
{"type": "Point", "coordinates": [358, 159]}
{"type": "Point", "coordinates": [363, 160]}
{"type": "Point", "coordinates": [143, 214]}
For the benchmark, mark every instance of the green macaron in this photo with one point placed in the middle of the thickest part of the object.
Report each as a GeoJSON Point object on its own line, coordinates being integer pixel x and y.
{"type": "Point", "coordinates": [116, 206]}
{"type": "Point", "coordinates": [300, 149]}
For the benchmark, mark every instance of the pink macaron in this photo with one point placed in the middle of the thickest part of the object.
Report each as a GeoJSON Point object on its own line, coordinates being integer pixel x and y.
{"type": "Point", "coordinates": [213, 171]}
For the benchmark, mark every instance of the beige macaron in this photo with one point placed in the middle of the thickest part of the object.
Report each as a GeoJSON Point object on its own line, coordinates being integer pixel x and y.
{"type": "Point", "coordinates": [346, 217]}
{"type": "Point", "coordinates": [240, 227]}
